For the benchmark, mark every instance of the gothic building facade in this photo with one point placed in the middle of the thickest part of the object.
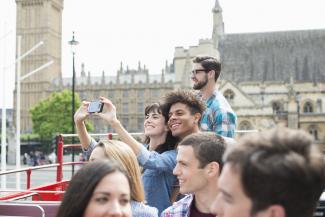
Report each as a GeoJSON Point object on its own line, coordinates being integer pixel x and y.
{"type": "Point", "coordinates": [272, 78]}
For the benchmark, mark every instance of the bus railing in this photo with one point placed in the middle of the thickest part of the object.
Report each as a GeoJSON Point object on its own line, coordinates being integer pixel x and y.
{"type": "Point", "coordinates": [52, 191]}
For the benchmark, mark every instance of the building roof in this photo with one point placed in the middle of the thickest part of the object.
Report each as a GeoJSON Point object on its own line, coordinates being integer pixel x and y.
{"type": "Point", "coordinates": [274, 56]}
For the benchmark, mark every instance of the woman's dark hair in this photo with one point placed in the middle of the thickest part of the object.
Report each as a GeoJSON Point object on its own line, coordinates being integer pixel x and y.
{"type": "Point", "coordinates": [83, 184]}
{"type": "Point", "coordinates": [171, 141]}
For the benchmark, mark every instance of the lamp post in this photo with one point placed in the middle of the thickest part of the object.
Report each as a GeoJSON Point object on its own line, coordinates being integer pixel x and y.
{"type": "Point", "coordinates": [298, 99]}
{"type": "Point", "coordinates": [73, 43]}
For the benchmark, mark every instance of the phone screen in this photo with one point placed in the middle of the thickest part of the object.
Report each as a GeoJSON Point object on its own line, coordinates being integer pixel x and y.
{"type": "Point", "coordinates": [95, 106]}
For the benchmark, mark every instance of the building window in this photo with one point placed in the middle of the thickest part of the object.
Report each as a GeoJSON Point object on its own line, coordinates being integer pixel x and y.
{"type": "Point", "coordinates": [229, 95]}
{"type": "Point", "coordinates": [276, 107]}
{"type": "Point", "coordinates": [313, 131]}
{"type": "Point", "coordinates": [140, 107]}
{"type": "Point", "coordinates": [245, 125]}
{"type": "Point", "coordinates": [125, 93]}
{"type": "Point", "coordinates": [319, 105]}
{"type": "Point", "coordinates": [308, 107]}
{"type": "Point", "coordinates": [156, 93]}
{"type": "Point", "coordinates": [111, 94]}
{"type": "Point", "coordinates": [125, 122]}
{"type": "Point", "coordinates": [125, 107]}
{"type": "Point", "coordinates": [140, 124]}
{"type": "Point", "coordinates": [140, 94]}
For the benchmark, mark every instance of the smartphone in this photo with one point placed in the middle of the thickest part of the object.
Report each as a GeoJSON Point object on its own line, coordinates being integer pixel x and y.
{"type": "Point", "coordinates": [95, 106]}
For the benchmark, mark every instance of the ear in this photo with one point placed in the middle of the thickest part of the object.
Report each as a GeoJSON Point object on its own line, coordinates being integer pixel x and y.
{"type": "Point", "coordinates": [213, 169]}
{"type": "Point", "coordinates": [274, 211]}
{"type": "Point", "coordinates": [212, 74]}
{"type": "Point", "coordinates": [197, 117]}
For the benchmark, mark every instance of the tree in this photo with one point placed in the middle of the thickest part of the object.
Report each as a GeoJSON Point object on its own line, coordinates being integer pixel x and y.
{"type": "Point", "coordinates": [53, 115]}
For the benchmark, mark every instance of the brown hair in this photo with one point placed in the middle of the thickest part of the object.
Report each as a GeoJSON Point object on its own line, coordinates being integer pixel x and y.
{"type": "Point", "coordinates": [209, 63]}
{"type": "Point", "coordinates": [282, 167]}
{"type": "Point", "coordinates": [123, 154]}
{"type": "Point", "coordinates": [186, 97]}
{"type": "Point", "coordinates": [207, 146]}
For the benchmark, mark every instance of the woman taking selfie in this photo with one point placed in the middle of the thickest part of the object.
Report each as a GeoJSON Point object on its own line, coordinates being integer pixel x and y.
{"type": "Point", "coordinates": [157, 155]}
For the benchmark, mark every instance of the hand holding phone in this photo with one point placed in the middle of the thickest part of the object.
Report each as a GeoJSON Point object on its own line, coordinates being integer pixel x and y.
{"type": "Point", "coordinates": [95, 106]}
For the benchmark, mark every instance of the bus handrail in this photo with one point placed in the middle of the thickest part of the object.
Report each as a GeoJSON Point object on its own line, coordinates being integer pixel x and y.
{"type": "Point", "coordinates": [29, 168]}
{"type": "Point", "coordinates": [30, 191]}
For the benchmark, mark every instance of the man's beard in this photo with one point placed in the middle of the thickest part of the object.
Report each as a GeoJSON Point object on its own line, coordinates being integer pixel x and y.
{"type": "Point", "coordinates": [201, 84]}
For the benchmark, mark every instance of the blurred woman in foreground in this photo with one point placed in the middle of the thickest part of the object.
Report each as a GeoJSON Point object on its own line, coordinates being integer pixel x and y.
{"type": "Point", "coordinates": [120, 152]}
{"type": "Point", "coordinates": [98, 189]}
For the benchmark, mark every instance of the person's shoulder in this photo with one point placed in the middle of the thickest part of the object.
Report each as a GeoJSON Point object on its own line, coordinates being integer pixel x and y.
{"type": "Point", "coordinates": [181, 206]}
{"type": "Point", "coordinates": [140, 209]}
{"type": "Point", "coordinates": [170, 152]}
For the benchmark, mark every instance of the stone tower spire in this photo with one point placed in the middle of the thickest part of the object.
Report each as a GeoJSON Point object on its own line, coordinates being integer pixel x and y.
{"type": "Point", "coordinates": [103, 77]}
{"type": "Point", "coordinates": [218, 25]}
{"type": "Point", "coordinates": [83, 73]}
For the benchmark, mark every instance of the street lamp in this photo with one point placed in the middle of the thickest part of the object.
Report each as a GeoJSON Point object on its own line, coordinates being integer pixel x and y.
{"type": "Point", "coordinates": [73, 43]}
{"type": "Point", "coordinates": [298, 99]}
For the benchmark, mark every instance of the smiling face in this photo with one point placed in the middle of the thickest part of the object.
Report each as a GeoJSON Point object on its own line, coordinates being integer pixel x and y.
{"type": "Point", "coordinates": [154, 124]}
{"type": "Point", "coordinates": [111, 197]}
{"type": "Point", "coordinates": [191, 177]}
{"type": "Point", "coordinates": [231, 200]}
{"type": "Point", "coordinates": [181, 122]}
{"type": "Point", "coordinates": [199, 77]}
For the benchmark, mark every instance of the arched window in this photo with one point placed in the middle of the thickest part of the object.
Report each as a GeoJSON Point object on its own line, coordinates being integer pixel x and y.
{"type": "Point", "coordinates": [243, 126]}
{"type": "Point", "coordinates": [313, 131]}
{"type": "Point", "coordinates": [308, 107]}
{"type": "Point", "coordinates": [229, 95]}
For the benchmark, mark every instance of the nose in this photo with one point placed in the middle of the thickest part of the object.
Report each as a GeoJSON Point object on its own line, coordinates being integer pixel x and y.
{"type": "Point", "coordinates": [171, 117]}
{"type": "Point", "coordinates": [114, 209]}
{"type": "Point", "coordinates": [176, 170]}
{"type": "Point", "coordinates": [147, 120]}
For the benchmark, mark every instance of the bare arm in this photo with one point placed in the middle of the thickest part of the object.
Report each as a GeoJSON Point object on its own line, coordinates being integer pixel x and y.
{"type": "Point", "coordinates": [109, 114]}
{"type": "Point", "coordinates": [79, 119]}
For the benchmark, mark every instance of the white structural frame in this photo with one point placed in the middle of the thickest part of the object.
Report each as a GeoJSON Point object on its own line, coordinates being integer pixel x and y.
{"type": "Point", "coordinates": [19, 79]}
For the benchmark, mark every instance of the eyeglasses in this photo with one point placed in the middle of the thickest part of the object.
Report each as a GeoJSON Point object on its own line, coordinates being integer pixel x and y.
{"type": "Point", "coordinates": [196, 71]}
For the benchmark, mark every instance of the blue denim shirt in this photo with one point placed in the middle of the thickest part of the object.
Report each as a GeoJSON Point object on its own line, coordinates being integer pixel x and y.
{"type": "Point", "coordinates": [87, 152]}
{"type": "Point", "coordinates": [158, 178]}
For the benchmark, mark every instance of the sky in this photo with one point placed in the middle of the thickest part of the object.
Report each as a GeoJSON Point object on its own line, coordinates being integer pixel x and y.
{"type": "Point", "coordinates": [129, 31]}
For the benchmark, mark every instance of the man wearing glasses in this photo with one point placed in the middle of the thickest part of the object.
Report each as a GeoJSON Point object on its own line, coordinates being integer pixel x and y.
{"type": "Point", "coordinates": [218, 116]}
